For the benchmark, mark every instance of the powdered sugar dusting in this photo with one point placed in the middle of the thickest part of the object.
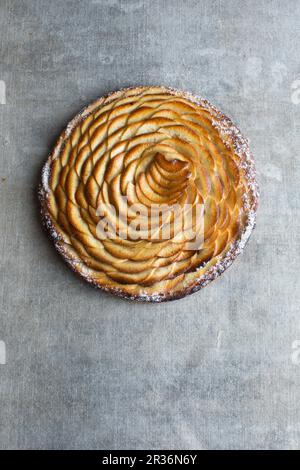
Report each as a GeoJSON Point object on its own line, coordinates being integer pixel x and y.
{"type": "Point", "coordinates": [46, 176]}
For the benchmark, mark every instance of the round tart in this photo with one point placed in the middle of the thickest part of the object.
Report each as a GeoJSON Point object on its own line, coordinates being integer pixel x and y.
{"type": "Point", "coordinates": [155, 149]}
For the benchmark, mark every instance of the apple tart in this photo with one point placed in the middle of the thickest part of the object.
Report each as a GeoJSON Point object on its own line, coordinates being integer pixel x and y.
{"type": "Point", "coordinates": [124, 175]}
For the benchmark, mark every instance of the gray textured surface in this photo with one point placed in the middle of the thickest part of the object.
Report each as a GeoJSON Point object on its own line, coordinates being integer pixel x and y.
{"type": "Point", "coordinates": [85, 370]}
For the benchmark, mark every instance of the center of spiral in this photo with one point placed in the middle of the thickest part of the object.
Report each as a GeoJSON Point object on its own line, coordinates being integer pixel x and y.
{"type": "Point", "coordinates": [165, 179]}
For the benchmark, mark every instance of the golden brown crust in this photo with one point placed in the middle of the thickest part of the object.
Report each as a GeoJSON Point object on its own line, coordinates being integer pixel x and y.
{"type": "Point", "coordinates": [149, 143]}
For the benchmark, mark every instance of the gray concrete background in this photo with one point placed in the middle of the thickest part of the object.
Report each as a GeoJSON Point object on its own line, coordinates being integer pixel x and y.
{"type": "Point", "coordinates": [86, 370]}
